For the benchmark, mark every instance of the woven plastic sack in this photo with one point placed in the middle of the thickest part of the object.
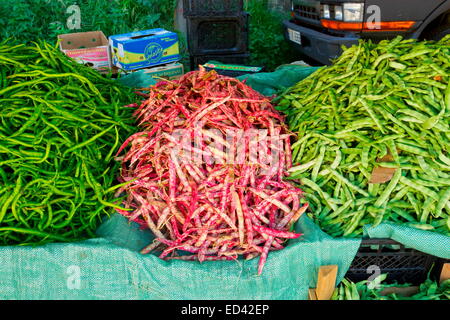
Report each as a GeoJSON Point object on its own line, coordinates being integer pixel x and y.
{"type": "Point", "coordinates": [285, 76]}
{"type": "Point", "coordinates": [266, 83]}
{"type": "Point", "coordinates": [429, 242]}
{"type": "Point", "coordinates": [138, 79]}
{"type": "Point", "coordinates": [112, 268]}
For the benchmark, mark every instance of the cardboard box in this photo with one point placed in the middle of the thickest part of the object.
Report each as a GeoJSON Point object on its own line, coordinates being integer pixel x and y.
{"type": "Point", "coordinates": [143, 49]}
{"type": "Point", "coordinates": [88, 48]}
{"type": "Point", "coordinates": [170, 72]}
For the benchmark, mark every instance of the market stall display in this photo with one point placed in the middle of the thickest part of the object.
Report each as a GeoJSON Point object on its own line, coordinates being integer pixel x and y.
{"type": "Point", "coordinates": [216, 190]}
{"type": "Point", "coordinates": [211, 175]}
{"type": "Point", "coordinates": [384, 105]}
{"type": "Point", "coordinates": [60, 124]}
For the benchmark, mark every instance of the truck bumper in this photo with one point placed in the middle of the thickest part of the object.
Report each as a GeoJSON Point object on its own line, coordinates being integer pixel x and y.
{"type": "Point", "coordinates": [316, 45]}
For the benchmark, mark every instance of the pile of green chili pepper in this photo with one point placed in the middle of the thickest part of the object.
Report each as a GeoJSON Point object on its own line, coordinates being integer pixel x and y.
{"type": "Point", "coordinates": [363, 290]}
{"type": "Point", "coordinates": [390, 98]}
{"type": "Point", "coordinates": [60, 126]}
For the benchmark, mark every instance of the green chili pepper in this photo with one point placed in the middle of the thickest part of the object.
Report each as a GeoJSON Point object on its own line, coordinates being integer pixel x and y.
{"type": "Point", "coordinates": [56, 114]}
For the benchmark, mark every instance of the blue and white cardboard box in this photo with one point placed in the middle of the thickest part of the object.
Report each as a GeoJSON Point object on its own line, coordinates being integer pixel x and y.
{"type": "Point", "coordinates": [143, 49]}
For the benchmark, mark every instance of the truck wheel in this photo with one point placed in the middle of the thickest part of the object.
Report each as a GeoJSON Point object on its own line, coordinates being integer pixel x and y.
{"type": "Point", "coordinates": [438, 33]}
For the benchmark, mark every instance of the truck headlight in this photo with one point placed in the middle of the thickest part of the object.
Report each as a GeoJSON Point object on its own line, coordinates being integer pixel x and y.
{"type": "Point", "coordinates": [326, 11]}
{"type": "Point", "coordinates": [347, 12]}
{"type": "Point", "coordinates": [338, 13]}
{"type": "Point", "coordinates": [353, 12]}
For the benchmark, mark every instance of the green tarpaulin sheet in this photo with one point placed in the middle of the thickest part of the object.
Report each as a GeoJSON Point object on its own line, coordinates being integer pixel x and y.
{"type": "Point", "coordinates": [111, 268]}
{"type": "Point", "coordinates": [285, 76]}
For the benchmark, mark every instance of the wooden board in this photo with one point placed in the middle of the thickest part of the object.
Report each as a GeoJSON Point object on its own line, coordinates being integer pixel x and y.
{"type": "Point", "coordinates": [326, 282]}
{"type": "Point", "coordinates": [445, 273]}
{"type": "Point", "coordinates": [382, 174]}
{"type": "Point", "coordinates": [312, 294]}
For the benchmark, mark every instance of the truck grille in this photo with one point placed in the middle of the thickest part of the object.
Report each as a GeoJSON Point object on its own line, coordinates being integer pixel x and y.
{"type": "Point", "coordinates": [307, 12]}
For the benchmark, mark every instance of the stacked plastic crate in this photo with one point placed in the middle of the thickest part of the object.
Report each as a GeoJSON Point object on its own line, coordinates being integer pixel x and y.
{"type": "Point", "coordinates": [217, 30]}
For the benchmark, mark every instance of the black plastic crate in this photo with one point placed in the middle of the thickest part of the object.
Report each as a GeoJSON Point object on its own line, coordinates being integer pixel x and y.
{"type": "Point", "coordinates": [402, 264]}
{"type": "Point", "coordinates": [239, 59]}
{"type": "Point", "coordinates": [212, 7]}
{"type": "Point", "coordinates": [218, 35]}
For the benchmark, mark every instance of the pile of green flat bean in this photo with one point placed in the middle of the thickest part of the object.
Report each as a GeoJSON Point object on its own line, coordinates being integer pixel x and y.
{"type": "Point", "coordinates": [376, 99]}
{"type": "Point", "coordinates": [60, 126]}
